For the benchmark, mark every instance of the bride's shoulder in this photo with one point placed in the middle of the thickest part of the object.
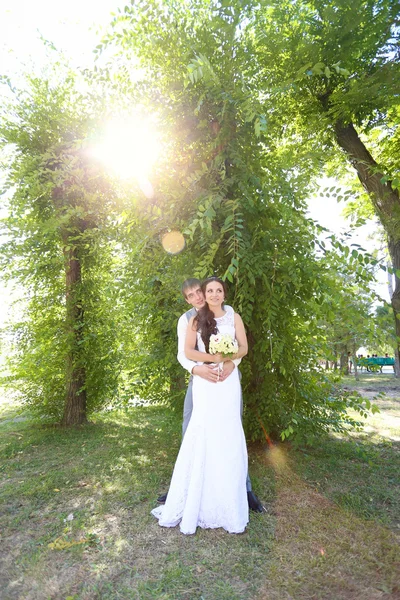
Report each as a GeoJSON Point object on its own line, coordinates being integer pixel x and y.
{"type": "Point", "coordinates": [231, 313]}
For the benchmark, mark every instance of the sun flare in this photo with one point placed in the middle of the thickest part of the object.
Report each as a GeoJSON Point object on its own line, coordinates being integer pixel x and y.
{"type": "Point", "coordinates": [129, 147]}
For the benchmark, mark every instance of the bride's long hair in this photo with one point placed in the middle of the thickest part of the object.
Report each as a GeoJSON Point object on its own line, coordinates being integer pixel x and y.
{"type": "Point", "coordinates": [205, 319]}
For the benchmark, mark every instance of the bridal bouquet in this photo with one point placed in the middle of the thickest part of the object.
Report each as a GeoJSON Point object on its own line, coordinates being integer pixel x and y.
{"type": "Point", "coordinates": [224, 344]}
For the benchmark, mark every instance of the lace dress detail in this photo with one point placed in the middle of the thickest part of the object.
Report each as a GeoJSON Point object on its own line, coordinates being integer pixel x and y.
{"type": "Point", "coordinates": [208, 485]}
{"type": "Point", "coordinates": [227, 320]}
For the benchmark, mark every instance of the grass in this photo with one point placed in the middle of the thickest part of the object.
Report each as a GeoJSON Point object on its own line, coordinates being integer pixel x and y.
{"type": "Point", "coordinates": [331, 531]}
{"type": "Point", "coordinates": [373, 382]}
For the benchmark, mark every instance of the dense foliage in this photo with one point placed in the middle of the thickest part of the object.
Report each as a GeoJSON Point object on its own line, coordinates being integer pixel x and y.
{"type": "Point", "coordinates": [239, 161]}
{"type": "Point", "coordinates": [334, 82]}
{"type": "Point", "coordinates": [60, 216]}
{"type": "Point", "coordinates": [241, 198]}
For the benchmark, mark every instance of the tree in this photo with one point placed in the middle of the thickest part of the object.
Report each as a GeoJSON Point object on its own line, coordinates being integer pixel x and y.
{"type": "Point", "coordinates": [60, 206]}
{"type": "Point", "coordinates": [241, 200]}
{"type": "Point", "coordinates": [385, 339]}
{"type": "Point", "coordinates": [336, 76]}
{"type": "Point", "coordinates": [348, 320]}
{"type": "Point", "coordinates": [226, 179]}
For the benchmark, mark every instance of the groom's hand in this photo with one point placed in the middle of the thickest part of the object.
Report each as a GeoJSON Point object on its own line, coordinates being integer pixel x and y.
{"type": "Point", "coordinates": [206, 372]}
{"type": "Point", "coordinates": [228, 368]}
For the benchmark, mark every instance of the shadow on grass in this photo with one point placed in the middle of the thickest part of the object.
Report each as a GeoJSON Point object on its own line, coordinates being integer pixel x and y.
{"type": "Point", "coordinates": [93, 488]}
{"type": "Point", "coordinates": [359, 474]}
{"type": "Point", "coordinates": [373, 381]}
{"type": "Point", "coordinates": [323, 550]}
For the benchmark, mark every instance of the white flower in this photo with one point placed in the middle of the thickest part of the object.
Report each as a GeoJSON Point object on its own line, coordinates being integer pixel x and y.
{"type": "Point", "coordinates": [223, 344]}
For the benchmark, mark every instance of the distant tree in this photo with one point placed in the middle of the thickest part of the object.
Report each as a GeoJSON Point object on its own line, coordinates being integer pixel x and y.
{"type": "Point", "coordinates": [385, 341]}
{"type": "Point", "coordinates": [348, 318]}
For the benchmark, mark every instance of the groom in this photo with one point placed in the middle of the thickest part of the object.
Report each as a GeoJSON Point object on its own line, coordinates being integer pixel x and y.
{"type": "Point", "coordinates": [191, 290]}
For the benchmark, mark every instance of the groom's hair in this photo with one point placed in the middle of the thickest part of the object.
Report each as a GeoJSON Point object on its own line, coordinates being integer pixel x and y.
{"type": "Point", "coordinates": [189, 284]}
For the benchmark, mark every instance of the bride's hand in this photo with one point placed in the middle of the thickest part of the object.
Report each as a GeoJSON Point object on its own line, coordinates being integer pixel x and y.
{"type": "Point", "coordinates": [217, 358]}
{"type": "Point", "coordinates": [230, 357]}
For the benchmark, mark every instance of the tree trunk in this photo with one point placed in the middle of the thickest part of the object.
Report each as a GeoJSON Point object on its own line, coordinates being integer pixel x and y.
{"type": "Point", "coordinates": [75, 402]}
{"type": "Point", "coordinates": [394, 249]}
{"type": "Point", "coordinates": [177, 383]}
{"type": "Point", "coordinates": [389, 277]}
{"type": "Point", "coordinates": [343, 361]}
{"type": "Point", "coordinates": [386, 201]}
{"type": "Point", "coordinates": [356, 377]}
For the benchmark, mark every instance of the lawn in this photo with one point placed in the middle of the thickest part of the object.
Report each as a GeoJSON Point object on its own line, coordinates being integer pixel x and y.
{"type": "Point", "coordinates": [76, 524]}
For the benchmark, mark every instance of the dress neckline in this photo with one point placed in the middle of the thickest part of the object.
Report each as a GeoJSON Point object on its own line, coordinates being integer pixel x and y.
{"type": "Point", "coordinates": [222, 316]}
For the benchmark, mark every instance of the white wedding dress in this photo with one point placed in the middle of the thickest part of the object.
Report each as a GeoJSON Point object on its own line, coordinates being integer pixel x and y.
{"type": "Point", "coordinates": [208, 485]}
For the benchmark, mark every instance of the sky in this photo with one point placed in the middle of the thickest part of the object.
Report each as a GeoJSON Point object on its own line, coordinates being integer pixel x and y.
{"type": "Point", "coordinates": [328, 213]}
{"type": "Point", "coordinates": [75, 27]}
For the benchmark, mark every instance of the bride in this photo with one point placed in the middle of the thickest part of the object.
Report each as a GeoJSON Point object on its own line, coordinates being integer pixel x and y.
{"type": "Point", "coordinates": [208, 486]}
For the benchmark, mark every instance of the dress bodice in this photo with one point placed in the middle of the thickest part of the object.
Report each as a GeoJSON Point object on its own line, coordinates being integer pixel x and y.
{"type": "Point", "coordinates": [225, 324]}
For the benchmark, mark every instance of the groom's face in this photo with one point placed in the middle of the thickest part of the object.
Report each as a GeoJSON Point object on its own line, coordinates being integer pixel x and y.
{"type": "Point", "coordinates": [195, 297]}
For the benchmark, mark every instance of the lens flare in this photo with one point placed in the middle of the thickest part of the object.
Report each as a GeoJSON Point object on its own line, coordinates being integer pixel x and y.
{"type": "Point", "coordinates": [173, 242]}
{"type": "Point", "coordinates": [129, 147]}
{"type": "Point", "coordinates": [277, 458]}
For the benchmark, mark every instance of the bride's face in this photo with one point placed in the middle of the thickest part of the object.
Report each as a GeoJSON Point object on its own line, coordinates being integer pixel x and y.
{"type": "Point", "coordinates": [214, 294]}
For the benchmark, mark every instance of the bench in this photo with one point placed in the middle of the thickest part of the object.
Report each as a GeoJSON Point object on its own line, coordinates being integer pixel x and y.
{"type": "Point", "coordinates": [375, 364]}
